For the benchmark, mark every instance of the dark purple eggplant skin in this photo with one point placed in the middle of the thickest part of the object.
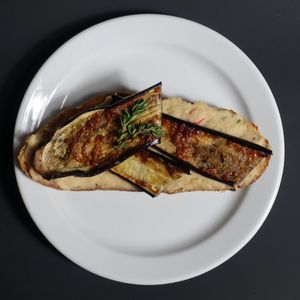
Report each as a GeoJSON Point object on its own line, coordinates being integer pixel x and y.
{"type": "Point", "coordinates": [221, 134]}
{"type": "Point", "coordinates": [99, 169]}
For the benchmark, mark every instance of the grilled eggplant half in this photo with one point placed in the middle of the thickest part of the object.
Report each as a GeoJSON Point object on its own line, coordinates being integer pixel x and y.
{"type": "Point", "coordinates": [211, 153]}
{"type": "Point", "coordinates": [101, 138]}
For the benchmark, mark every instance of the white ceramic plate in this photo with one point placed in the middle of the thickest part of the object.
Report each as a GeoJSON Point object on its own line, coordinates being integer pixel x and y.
{"type": "Point", "coordinates": [131, 237]}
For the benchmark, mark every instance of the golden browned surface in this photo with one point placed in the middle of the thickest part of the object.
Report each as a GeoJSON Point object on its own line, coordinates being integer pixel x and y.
{"type": "Point", "coordinates": [90, 140]}
{"type": "Point", "coordinates": [213, 155]}
{"type": "Point", "coordinates": [149, 171]}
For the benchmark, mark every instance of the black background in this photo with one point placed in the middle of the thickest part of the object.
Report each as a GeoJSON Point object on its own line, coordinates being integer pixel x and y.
{"type": "Point", "coordinates": [268, 267]}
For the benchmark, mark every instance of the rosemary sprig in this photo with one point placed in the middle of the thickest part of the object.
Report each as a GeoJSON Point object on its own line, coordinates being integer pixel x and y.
{"type": "Point", "coordinates": [132, 131]}
{"type": "Point", "coordinates": [150, 128]}
{"type": "Point", "coordinates": [130, 114]}
{"type": "Point", "coordinates": [129, 131]}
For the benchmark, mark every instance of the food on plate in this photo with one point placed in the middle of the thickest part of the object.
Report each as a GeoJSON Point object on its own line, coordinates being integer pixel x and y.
{"type": "Point", "coordinates": [100, 138]}
{"type": "Point", "coordinates": [123, 141]}
{"type": "Point", "coordinates": [149, 170]}
{"type": "Point", "coordinates": [211, 153]}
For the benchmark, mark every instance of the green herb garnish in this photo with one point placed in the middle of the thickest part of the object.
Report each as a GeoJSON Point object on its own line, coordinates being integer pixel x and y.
{"type": "Point", "coordinates": [130, 114]}
{"type": "Point", "coordinates": [129, 130]}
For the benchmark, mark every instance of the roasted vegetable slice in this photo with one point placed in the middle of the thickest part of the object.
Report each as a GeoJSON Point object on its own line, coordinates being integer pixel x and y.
{"type": "Point", "coordinates": [148, 170]}
{"type": "Point", "coordinates": [98, 139]}
{"type": "Point", "coordinates": [211, 153]}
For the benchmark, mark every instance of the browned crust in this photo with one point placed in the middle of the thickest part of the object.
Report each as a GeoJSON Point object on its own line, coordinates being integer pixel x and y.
{"type": "Point", "coordinates": [34, 141]}
{"type": "Point", "coordinates": [27, 150]}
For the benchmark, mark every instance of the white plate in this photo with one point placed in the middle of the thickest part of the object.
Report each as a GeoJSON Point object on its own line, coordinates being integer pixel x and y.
{"type": "Point", "coordinates": [131, 237]}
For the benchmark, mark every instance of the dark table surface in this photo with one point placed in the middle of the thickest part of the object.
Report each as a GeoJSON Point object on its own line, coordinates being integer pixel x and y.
{"type": "Point", "coordinates": [268, 267]}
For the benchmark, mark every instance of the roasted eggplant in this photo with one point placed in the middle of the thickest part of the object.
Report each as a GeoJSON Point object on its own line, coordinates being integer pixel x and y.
{"type": "Point", "coordinates": [211, 153]}
{"type": "Point", "coordinates": [101, 138]}
{"type": "Point", "coordinates": [149, 170]}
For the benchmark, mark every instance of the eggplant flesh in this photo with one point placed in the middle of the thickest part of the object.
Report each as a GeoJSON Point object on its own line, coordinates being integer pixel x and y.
{"type": "Point", "coordinates": [87, 145]}
{"type": "Point", "coordinates": [208, 152]}
{"type": "Point", "coordinates": [101, 168]}
{"type": "Point", "coordinates": [148, 170]}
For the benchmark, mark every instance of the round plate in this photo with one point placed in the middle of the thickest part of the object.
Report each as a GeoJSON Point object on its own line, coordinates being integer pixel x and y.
{"type": "Point", "coordinates": [129, 236]}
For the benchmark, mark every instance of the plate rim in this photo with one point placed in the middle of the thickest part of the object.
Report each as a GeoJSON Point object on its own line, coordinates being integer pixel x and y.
{"type": "Point", "coordinates": [259, 223]}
